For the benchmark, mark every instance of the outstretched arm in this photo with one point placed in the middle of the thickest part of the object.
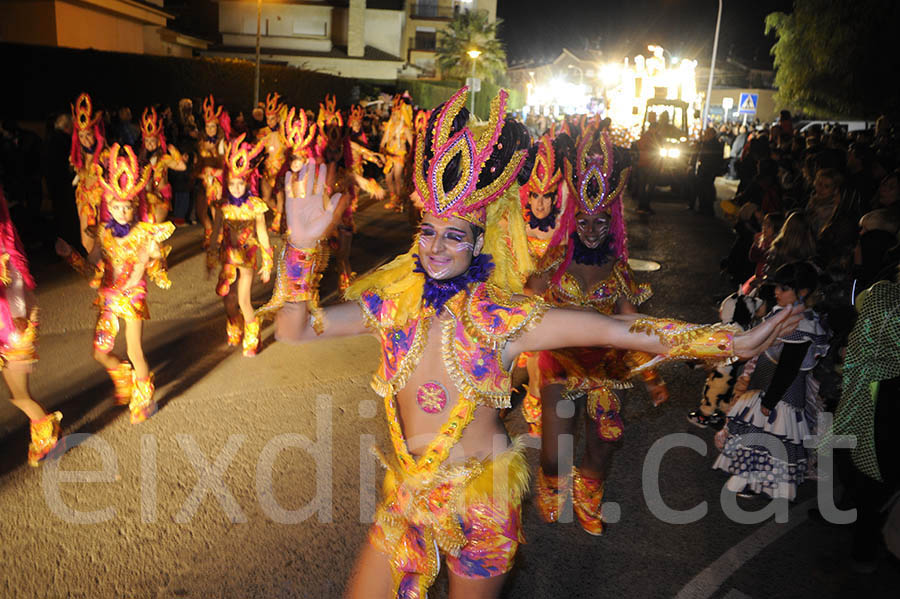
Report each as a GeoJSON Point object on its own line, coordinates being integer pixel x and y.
{"type": "Point", "coordinates": [308, 220]}
{"type": "Point", "coordinates": [561, 328]}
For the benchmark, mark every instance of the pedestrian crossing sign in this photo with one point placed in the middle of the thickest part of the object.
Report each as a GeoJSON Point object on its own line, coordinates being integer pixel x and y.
{"type": "Point", "coordinates": [748, 103]}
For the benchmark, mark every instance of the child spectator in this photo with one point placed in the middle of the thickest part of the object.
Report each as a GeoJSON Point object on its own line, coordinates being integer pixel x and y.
{"type": "Point", "coordinates": [775, 403]}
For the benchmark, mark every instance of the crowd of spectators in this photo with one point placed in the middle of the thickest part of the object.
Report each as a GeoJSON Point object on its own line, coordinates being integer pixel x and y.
{"type": "Point", "coordinates": [829, 199]}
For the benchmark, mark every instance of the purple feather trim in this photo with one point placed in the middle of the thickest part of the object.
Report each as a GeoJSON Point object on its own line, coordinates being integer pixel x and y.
{"type": "Point", "coordinates": [238, 201]}
{"type": "Point", "coordinates": [118, 229]}
{"type": "Point", "coordinates": [437, 292]}
{"type": "Point", "coordinates": [582, 254]}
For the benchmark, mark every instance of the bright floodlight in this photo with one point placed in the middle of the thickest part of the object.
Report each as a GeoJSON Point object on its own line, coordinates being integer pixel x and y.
{"type": "Point", "coordinates": [473, 54]}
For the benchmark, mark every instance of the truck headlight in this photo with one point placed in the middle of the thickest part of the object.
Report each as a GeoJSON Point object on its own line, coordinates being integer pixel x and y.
{"type": "Point", "coordinates": [674, 152]}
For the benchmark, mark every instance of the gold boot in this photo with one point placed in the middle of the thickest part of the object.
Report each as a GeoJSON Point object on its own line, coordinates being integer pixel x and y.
{"type": "Point", "coordinates": [552, 492]}
{"type": "Point", "coordinates": [587, 499]}
{"type": "Point", "coordinates": [531, 410]}
{"type": "Point", "coordinates": [142, 405]}
{"type": "Point", "coordinates": [234, 328]}
{"type": "Point", "coordinates": [251, 338]}
{"type": "Point", "coordinates": [121, 377]}
{"type": "Point", "coordinates": [44, 435]}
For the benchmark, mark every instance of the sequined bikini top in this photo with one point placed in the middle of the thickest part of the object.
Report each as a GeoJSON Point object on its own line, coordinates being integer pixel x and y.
{"type": "Point", "coordinates": [602, 297]}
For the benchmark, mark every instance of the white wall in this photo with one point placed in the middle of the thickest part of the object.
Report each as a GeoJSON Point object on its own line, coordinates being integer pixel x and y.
{"type": "Point", "coordinates": [281, 22]}
{"type": "Point", "coordinates": [384, 30]}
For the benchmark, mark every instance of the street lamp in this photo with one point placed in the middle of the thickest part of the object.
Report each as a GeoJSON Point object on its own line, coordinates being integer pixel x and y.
{"type": "Point", "coordinates": [712, 69]}
{"type": "Point", "coordinates": [474, 53]}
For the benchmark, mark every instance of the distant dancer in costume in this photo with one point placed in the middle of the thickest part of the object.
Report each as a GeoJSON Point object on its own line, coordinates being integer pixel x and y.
{"type": "Point", "coordinates": [160, 157]}
{"type": "Point", "coordinates": [18, 336]}
{"type": "Point", "coordinates": [210, 166]}
{"type": "Point", "coordinates": [241, 226]}
{"type": "Point", "coordinates": [86, 157]}
{"type": "Point", "coordinates": [594, 276]}
{"type": "Point", "coordinates": [127, 251]}
{"type": "Point", "coordinates": [273, 166]}
{"type": "Point", "coordinates": [396, 143]}
{"type": "Point", "coordinates": [544, 196]}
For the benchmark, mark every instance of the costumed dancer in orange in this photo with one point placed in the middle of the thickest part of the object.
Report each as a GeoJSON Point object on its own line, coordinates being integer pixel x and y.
{"type": "Point", "coordinates": [343, 151]}
{"type": "Point", "coordinates": [273, 167]}
{"type": "Point", "coordinates": [450, 320]}
{"type": "Point", "coordinates": [396, 143]}
{"type": "Point", "coordinates": [128, 249]}
{"type": "Point", "coordinates": [593, 276]}
{"type": "Point", "coordinates": [241, 226]}
{"type": "Point", "coordinates": [544, 197]}
{"type": "Point", "coordinates": [160, 158]}
{"type": "Point", "coordinates": [85, 157]}
{"type": "Point", "coordinates": [211, 162]}
{"type": "Point", "coordinates": [18, 336]}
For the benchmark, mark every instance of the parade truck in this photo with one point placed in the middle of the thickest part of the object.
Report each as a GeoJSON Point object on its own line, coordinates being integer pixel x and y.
{"type": "Point", "coordinates": [669, 145]}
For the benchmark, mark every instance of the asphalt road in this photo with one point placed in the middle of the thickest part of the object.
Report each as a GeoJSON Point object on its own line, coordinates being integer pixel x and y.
{"type": "Point", "coordinates": [255, 478]}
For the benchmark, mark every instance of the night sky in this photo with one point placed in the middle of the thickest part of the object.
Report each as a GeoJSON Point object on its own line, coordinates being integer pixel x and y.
{"type": "Point", "coordinates": [533, 29]}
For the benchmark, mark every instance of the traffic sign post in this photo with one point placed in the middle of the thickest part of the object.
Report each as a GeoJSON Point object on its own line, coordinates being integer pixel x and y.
{"type": "Point", "coordinates": [748, 103]}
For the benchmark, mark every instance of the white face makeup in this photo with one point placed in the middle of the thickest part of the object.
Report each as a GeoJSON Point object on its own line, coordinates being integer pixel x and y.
{"type": "Point", "coordinates": [446, 246]}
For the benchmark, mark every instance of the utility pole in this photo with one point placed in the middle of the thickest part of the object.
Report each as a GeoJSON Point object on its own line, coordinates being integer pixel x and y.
{"type": "Point", "coordinates": [256, 78]}
{"type": "Point", "coordinates": [712, 70]}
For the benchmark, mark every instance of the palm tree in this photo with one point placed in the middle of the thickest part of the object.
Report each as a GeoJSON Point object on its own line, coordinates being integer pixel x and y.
{"type": "Point", "coordinates": [471, 30]}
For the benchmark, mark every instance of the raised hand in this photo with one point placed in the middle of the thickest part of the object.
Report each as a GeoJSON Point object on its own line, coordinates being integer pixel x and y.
{"type": "Point", "coordinates": [308, 216]}
{"type": "Point", "coordinates": [757, 339]}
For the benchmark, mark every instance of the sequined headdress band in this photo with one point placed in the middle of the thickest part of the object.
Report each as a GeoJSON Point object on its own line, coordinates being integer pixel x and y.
{"type": "Point", "coordinates": [592, 177]}
{"type": "Point", "coordinates": [123, 180]}
{"type": "Point", "coordinates": [298, 132]}
{"type": "Point", "coordinates": [239, 157]}
{"type": "Point", "coordinates": [439, 147]}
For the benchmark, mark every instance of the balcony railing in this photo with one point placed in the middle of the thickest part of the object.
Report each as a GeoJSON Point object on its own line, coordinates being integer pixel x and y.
{"type": "Point", "coordinates": [432, 10]}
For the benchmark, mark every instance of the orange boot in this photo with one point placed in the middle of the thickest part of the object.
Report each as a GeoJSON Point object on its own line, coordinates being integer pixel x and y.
{"type": "Point", "coordinates": [142, 405]}
{"type": "Point", "coordinates": [44, 435]}
{"type": "Point", "coordinates": [234, 328]}
{"type": "Point", "coordinates": [587, 499]}
{"type": "Point", "coordinates": [251, 338]}
{"type": "Point", "coordinates": [121, 377]}
{"type": "Point", "coordinates": [552, 493]}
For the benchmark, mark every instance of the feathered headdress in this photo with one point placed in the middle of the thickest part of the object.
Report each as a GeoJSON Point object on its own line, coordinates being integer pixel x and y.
{"type": "Point", "coordinates": [422, 121]}
{"type": "Point", "coordinates": [219, 116]}
{"type": "Point", "coordinates": [591, 177]}
{"type": "Point", "coordinates": [83, 116]}
{"type": "Point", "coordinates": [210, 112]}
{"type": "Point", "coordinates": [239, 157]}
{"type": "Point", "coordinates": [590, 183]}
{"type": "Point", "coordinates": [299, 133]}
{"type": "Point", "coordinates": [123, 180]}
{"type": "Point", "coordinates": [272, 104]}
{"type": "Point", "coordinates": [463, 171]}
{"type": "Point", "coordinates": [84, 119]}
{"type": "Point", "coordinates": [459, 175]}
{"type": "Point", "coordinates": [329, 114]}
{"type": "Point", "coordinates": [151, 127]}
{"type": "Point", "coordinates": [355, 116]}
{"type": "Point", "coordinates": [547, 171]}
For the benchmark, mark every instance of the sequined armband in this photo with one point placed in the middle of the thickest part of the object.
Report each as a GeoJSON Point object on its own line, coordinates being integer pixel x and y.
{"type": "Point", "coordinates": [687, 341]}
{"type": "Point", "coordinates": [301, 273]}
{"type": "Point", "coordinates": [267, 262]}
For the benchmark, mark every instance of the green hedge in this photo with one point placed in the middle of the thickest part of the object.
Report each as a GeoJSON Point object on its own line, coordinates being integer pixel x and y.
{"type": "Point", "coordinates": [43, 80]}
{"type": "Point", "coordinates": [431, 93]}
